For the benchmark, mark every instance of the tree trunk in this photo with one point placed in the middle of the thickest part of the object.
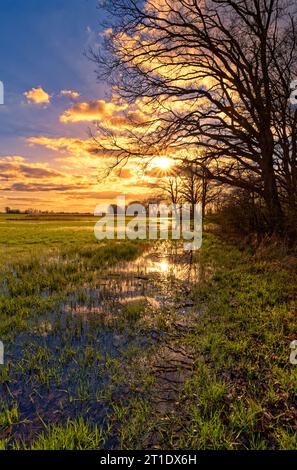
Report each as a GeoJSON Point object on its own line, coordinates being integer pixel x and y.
{"type": "Point", "coordinates": [204, 193]}
{"type": "Point", "coordinates": [271, 197]}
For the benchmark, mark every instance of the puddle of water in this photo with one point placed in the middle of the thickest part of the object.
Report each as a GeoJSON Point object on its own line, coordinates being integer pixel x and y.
{"type": "Point", "coordinates": [155, 278]}
{"type": "Point", "coordinates": [166, 261]}
{"type": "Point", "coordinates": [61, 372]}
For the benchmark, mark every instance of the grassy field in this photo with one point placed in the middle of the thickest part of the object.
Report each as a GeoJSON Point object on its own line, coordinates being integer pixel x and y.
{"type": "Point", "coordinates": [243, 389]}
{"type": "Point", "coordinates": [74, 380]}
{"type": "Point", "coordinates": [44, 260]}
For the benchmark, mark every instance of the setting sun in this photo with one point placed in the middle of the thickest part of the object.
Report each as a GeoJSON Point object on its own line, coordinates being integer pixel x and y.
{"type": "Point", "coordinates": [164, 163]}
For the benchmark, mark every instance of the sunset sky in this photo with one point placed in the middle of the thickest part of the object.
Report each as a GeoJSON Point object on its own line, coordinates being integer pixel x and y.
{"type": "Point", "coordinates": [52, 98]}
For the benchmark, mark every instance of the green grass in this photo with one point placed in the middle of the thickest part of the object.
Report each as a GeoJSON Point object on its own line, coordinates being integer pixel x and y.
{"type": "Point", "coordinates": [133, 311]}
{"type": "Point", "coordinates": [74, 435]}
{"type": "Point", "coordinates": [242, 394]}
{"type": "Point", "coordinates": [243, 342]}
{"type": "Point", "coordinates": [48, 261]}
{"type": "Point", "coordinates": [45, 260]}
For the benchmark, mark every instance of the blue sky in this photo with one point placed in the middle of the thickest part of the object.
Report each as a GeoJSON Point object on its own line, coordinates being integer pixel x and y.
{"type": "Point", "coordinates": [52, 98]}
{"type": "Point", "coordinates": [42, 43]}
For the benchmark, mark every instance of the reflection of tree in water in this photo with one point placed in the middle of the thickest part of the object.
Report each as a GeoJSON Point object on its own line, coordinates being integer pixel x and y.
{"type": "Point", "coordinates": [181, 264]}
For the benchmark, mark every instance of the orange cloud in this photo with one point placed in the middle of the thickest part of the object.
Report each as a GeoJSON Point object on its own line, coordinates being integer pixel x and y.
{"type": "Point", "coordinates": [38, 185]}
{"type": "Point", "coordinates": [10, 169]}
{"type": "Point", "coordinates": [37, 96]}
{"type": "Point", "coordinates": [41, 187]}
{"type": "Point", "coordinates": [109, 196]}
{"type": "Point", "coordinates": [76, 147]}
{"type": "Point", "coordinates": [17, 174]}
{"type": "Point", "coordinates": [109, 114]}
{"type": "Point", "coordinates": [70, 94]}
{"type": "Point", "coordinates": [76, 152]}
{"type": "Point", "coordinates": [90, 111]}
{"type": "Point", "coordinates": [124, 173]}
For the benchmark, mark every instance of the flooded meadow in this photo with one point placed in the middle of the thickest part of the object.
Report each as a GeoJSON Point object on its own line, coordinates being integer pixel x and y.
{"type": "Point", "coordinates": [75, 357]}
{"type": "Point", "coordinates": [124, 344]}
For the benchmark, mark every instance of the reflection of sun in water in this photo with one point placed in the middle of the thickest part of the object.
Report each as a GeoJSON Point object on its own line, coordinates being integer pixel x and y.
{"type": "Point", "coordinates": [163, 267]}
{"type": "Point", "coordinates": [163, 163]}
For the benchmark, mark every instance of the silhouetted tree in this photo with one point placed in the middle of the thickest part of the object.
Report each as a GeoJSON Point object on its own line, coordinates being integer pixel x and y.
{"type": "Point", "coordinates": [229, 65]}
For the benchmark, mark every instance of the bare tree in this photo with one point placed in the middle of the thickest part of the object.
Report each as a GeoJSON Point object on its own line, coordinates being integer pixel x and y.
{"type": "Point", "coordinates": [170, 188]}
{"type": "Point", "coordinates": [228, 64]}
{"type": "Point", "coordinates": [190, 188]}
{"type": "Point", "coordinates": [200, 187]}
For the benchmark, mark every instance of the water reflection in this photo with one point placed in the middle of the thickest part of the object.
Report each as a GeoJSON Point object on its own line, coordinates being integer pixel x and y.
{"type": "Point", "coordinates": [153, 278]}
{"type": "Point", "coordinates": [168, 260]}
{"type": "Point", "coordinates": [67, 362]}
